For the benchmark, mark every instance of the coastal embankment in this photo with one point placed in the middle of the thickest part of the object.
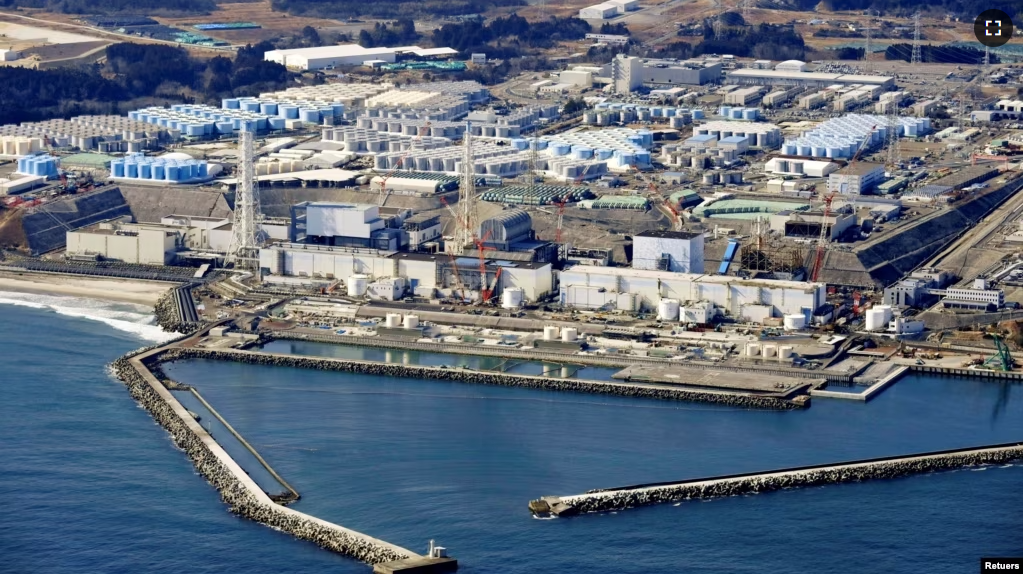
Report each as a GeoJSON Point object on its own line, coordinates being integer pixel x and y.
{"type": "Point", "coordinates": [794, 400]}
{"type": "Point", "coordinates": [239, 491]}
{"type": "Point", "coordinates": [142, 292]}
{"type": "Point", "coordinates": [618, 498]}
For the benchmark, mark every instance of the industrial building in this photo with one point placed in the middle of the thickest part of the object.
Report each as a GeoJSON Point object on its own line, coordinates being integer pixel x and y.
{"type": "Point", "coordinates": [608, 9]}
{"type": "Point", "coordinates": [799, 167]}
{"type": "Point", "coordinates": [616, 39]}
{"type": "Point", "coordinates": [151, 244]}
{"type": "Point", "coordinates": [743, 96]}
{"type": "Point", "coordinates": [695, 72]}
{"type": "Point", "coordinates": [669, 250]}
{"type": "Point", "coordinates": [778, 77]}
{"type": "Point", "coordinates": [347, 225]}
{"type": "Point", "coordinates": [807, 224]}
{"type": "Point", "coordinates": [758, 134]}
{"type": "Point", "coordinates": [328, 57]}
{"type": "Point", "coordinates": [859, 178]}
{"type": "Point", "coordinates": [926, 108]}
{"type": "Point", "coordinates": [736, 297]}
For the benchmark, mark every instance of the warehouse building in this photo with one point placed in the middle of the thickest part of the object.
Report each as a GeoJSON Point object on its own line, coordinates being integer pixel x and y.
{"type": "Point", "coordinates": [328, 57]}
{"type": "Point", "coordinates": [696, 72]}
{"type": "Point", "coordinates": [608, 9]}
{"type": "Point", "coordinates": [669, 250]}
{"type": "Point", "coordinates": [747, 76]}
{"type": "Point", "coordinates": [151, 244]}
{"type": "Point", "coordinates": [799, 167]}
{"type": "Point", "coordinates": [347, 225]}
{"type": "Point", "coordinates": [859, 178]}
{"type": "Point", "coordinates": [731, 294]}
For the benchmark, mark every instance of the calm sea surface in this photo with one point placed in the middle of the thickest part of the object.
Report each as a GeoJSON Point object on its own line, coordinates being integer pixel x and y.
{"type": "Point", "coordinates": [93, 485]}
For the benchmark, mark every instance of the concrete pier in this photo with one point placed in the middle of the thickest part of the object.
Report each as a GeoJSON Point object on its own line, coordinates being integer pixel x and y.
{"type": "Point", "coordinates": [618, 498]}
{"type": "Point", "coordinates": [642, 390]}
{"type": "Point", "coordinates": [239, 490]}
{"type": "Point", "coordinates": [868, 393]}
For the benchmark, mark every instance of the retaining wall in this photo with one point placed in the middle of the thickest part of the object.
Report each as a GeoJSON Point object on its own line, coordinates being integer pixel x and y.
{"type": "Point", "coordinates": [487, 378]}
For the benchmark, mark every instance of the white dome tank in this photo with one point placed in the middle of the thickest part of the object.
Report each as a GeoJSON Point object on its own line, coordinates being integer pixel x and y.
{"type": "Point", "coordinates": [785, 353]}
{"type": "Point", "coordinates": [874, 319]}
{"type": "Point", "coordinates": [393, 320]}
{"type": "Point", "coordinates": [769, 350]}
{"type": "Point", "coordinates": [550, 333]}
{"type": "Point", "coordinates": [668, 310]}
{"type": "Point", "coordinates": [357, 285]}
{"type": "Point", "coordinates": [411, 322]}
{"type": "Point", "coordinates": [569, 334]}
{"type": "Point", "coordinates": [793, 321]}
{"type": "Point", "coordinates": [753, 349]}
{"type": "Point", "coordinates": [512, 298]}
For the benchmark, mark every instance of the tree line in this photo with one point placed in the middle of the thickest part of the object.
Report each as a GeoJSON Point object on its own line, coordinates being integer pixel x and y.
{"type": "Point", "coordinates": [135, 75]}
{"type": "Point", "coordinates": [148, 7]}
{"type": "Point", "coordinates": [341, 9]}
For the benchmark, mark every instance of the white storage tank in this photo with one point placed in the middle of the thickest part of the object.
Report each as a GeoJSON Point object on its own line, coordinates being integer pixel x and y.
{"type": "Point", "coordinates": [393, 320]}
{"type": "Point", "coordinates": [793, 321]}
{"type": "Point", "coordinates": [512, 298]}
{"type": "Point", "coordinates": [877, 318]}
{"type": "Point", "coordinates": [569, 334]}
{"type": "Point", "coordinates": [785, 353]}
{"type": "Point", "coordinates": [357, 284]}
{"type": "Point", "coordinates": [411, 322]}
{"type": "Point", "coordinates": [550, 333]}
{"type": "Point", "coordinates": [668, 310]}
{"type": "Point", "coordinates": [768, 350]}
{"type": "Point", "coordinates": [753, 349]}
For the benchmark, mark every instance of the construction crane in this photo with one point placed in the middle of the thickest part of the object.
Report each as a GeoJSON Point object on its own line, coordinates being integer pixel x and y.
{"type": "Point", "coordinates": [481, 249]}
{"type": "Point", "coordinates": [561, 213]}
{"type": "Point", "coordinates": [819, 255]}
{"type": "Point", "coordinates": [384, 179]}
{"type": "Point", "coordinates": [457, 277]}
{"type": "Point", "coordinates": [459, 224]}
{"type": "Point", "coordinates": [489, 292]}
{"type": "Point", "coordinates": [1001, 360]}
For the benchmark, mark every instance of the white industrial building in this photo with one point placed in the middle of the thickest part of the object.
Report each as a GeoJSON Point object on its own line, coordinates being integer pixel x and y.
{"type": "Point", "coordinates": [608, 9]}
{"type": "Point", "coordinates": [152, 244]}
{"type": "Point", "coordinates": [8, 55]}
{"type": "Point", "coordinates": [322, 57]}
{"type": "Point", "coordinates": [791, 66]}
{"type": "Point", "coordinates": [799, 167]}
{"type": "Point", "coordinates": [669, 250]}
{"type": "Point", "coordinates": [858, 178]}
{"type": "Point", "coordinates": [423, 274]}
{"type": "Point", "coordinates": [735, 296]}
{"type": "Point", "coordinates": [746, 76]}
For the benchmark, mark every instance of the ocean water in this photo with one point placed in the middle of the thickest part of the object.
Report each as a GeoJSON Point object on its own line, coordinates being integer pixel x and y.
{"type": "Point", "coordinates": [95, 486]}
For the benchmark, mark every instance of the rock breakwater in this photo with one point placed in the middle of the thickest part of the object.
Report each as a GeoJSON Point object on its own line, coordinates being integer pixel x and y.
{"type": "Point", "coordinates": [240, 497]}
{"type": "Point", "coordinates": [487, 378]}
{"type": "Point", "coordinates": [636, 496]}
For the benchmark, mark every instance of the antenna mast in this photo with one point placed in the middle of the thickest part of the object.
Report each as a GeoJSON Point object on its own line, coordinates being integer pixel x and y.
{"type": "Point", "coordinates": [244, 250]}
{"type": "Point", "coordinates": [915, 54]}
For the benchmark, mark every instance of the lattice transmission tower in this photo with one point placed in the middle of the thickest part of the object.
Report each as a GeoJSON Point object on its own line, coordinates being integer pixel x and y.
{"type": "Point", "coordinates": [244, 250]}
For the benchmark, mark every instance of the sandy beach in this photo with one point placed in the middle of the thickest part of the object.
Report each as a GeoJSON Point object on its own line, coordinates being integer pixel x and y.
{"type": "Point", "coordinates": [122, 290]}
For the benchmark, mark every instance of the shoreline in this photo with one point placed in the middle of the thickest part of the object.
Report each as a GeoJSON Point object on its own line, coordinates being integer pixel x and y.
{"type": "Point", "coordinates": [139, 292]}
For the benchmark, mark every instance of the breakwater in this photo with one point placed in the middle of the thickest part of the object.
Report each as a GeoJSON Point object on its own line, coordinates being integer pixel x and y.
{"type": "Point", "coordinates": [618, 498]}
{"type": "Point", "coordinates": [236, 488]}
{"type": "Point", "coordinates": [639, 390]}
{"type": "Point", "coordinates": [175, 312]}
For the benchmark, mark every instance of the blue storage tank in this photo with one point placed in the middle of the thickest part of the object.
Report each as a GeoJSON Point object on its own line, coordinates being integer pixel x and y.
{"type": "Point", "coordinates": [236, 123]}
{"type": "Point", "coordinates": [636, 140]}
{"type": "Point", "coordinates": [250, 106]}
{"type": "Point", "coordinates": [131, 170]}
{"type": "Point", "coordinates": [603, 153]}
{"type": "Point", "coordinates": [248, 125]}
{"type": "Point", "coordinates": [670, 112]}
{"type": "Point", "coordinates": [117, 168]}
{"type": "Point", "coordinates": [697, 114]}
{"type": "Point", "coordinates": [559, 149]}
{"type": "Point", "coordinates": [789, 149]}
{"type": "Point", "coordinates": [326, 112]}
{"type": "Point", "coordinates": [750, 114]}
{"type": "Point", "coordinates": [582, 152]}
{"type": "Point", "coordinates": [309, 115]}
{"type": "Point", "coordinates": [627, 159]}
{"type": "Point", "coordinates": [194, 130]}
{"type": "Point", "coordinates": [803, 150]}
{"type": "Point", "coordinates": [724, 111]}
{"type": "Point", "coordinates": [288, 112]}
{"type": "Point", "coordinates": [203, 169]}
{"type": "Point", "coordinates": [146, 171]}
{"type": "Point", "coordinates": [171, 173]}
{"type": "Point", "coordinates": [22, 165]}
{"type": "Point", "coordinates": [177, 107]}
{"type": "Point", "coordinates": [647, 138]}
{"type": "Point", "coordinates": [261, 124]}
{"type": "Point", "coordinates": [275, 123]}
{"type": "Point", "coordinates": [656, 112]}
{"type": "Point", "coordinates": [158, 172]}
{"type": "Point", "coordinates": [520, 143]}
{"type": "Point", "coordinates": [541, 145]}
{"type": "Point", "coordinates": [736, 114]}
{"type": "Point", "coordinates": [224, 127]}
{"type": "Point", "coordinates": [268, 108]}
{"type": "Point", "coordinates": [339, 110]}
{"type": "Point", "coordinates": [643, 158]}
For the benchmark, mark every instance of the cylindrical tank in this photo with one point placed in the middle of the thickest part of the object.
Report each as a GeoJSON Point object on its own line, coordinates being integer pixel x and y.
{"type": "Point", "coordinates": [512, 298]}
{"type": "Point", "coordinates": [569, 334]}
{"type": "Point", "coordinates": [393, 320]}
{"type": "Point", "coordinates": [793, 321]}
{"type": "Point", "coordinates": [357, 284]}
{"type": "Point", "coordinates": [753, 349]}
{"type": "Point", "coordinates": [411, 322]}
{"type": "Point", "coordinates": [550, 332]}
{"type": "Point", "coordinates": [874, 319]}
{"type": "Point", "coordinates": [668, 309]}
{"type": "Point", "coordinates": [785, 352]}
{"type": "Point", "coordinates": [768, 350]}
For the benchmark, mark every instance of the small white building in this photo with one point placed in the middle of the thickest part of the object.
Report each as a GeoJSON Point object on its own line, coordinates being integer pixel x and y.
{"type": "Point", "coordinates": [599, 11]}
{"type": "Point", "coordinates": [855, 179]}
{"type": "Point", "coordinates": [669, 250]}
{"type": "Point", "coordinates": [794, 167]}
{"type": "Point", "coordinates": [152, 244]}
{"type": "Point", "coordinates": [478, 58]}
{"type": "Point", "coordinates": [791, 66]}
{"type": "Point", "coordinates": [8, 55]}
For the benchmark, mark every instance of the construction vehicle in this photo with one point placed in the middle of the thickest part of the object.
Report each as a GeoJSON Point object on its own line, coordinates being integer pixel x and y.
{"type": "Point", "coordinates": [1001, 360]}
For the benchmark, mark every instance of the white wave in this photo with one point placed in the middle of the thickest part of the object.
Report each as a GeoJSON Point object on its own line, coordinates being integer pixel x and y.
{"type": "Point", "coordinates": [135, 319]}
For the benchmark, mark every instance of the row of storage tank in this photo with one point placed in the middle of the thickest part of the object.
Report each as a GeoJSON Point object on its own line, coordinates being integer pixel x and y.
{"type": "Point", "coordinates": [555, 333]}
{"type": "Point", "coordinates": [42, 165]}
{"type": "Point", "coordinates": [141, 167]}
{"type": "Point", "coordinates": [397, 320]}
{"type": "Point", "coordinates": [655, 111]}
{"type": "Point", "coordinates": [20, 145]}
{"type": "Point", "coordinates": [307, 111]}
{"type": "Point", "coordinates": [608, 117]}
{"type": "Point", "coordinates": [197, 121]}
{"type": "Point", "coordinates": [842, 137]}
{"type": "Point", "coordinates": [723, 178]}
{"type": "Point", "coordinates": [730, 113]}
{"type": "Point", "coordinates": [783, 353]}
{"type": "Point", "coordinates": [537, 196]}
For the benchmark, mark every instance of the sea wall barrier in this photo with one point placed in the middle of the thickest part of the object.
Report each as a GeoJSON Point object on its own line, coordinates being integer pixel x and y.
{"type": "Point", "coordinates": [619, 498]}
{"type": "Point", "coordinates": [651, 391]}
{"type": "Point", "coordinates": [236, 488]}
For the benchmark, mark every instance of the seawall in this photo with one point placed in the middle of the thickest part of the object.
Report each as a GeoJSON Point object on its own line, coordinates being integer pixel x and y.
{"type": "Point", "coordinates": [725, 486]}
{"type": "Point", "coordinates": [236, 488]}
{"type": "Point", "coordinates": [651, 391]}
